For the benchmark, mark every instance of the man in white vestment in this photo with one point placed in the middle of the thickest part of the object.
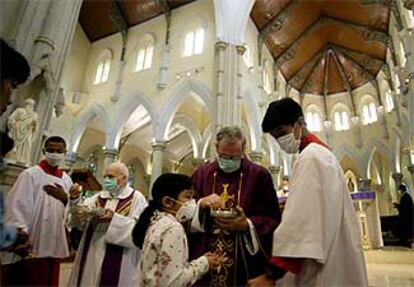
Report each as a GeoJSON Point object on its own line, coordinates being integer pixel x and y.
{"type": "Point", "coordinates": [318, 240]}
{"type": "Point", "coordinates": [22, 125]}
{"type": "Point", "coordinates": [107, 255]}
{"type": "Point", "coordinates": [36, 204]}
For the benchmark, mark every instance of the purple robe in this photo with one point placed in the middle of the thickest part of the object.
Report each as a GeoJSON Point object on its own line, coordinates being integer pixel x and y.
{"type": "Point", "coordinates": [259, 202]}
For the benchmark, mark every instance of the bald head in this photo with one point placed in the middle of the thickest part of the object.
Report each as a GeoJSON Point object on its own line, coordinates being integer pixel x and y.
{"type": "Point", "coordinates": [118, 170]}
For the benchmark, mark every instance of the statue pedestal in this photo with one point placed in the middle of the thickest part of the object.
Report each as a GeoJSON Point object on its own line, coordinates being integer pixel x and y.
{"type": "Point", "coordinates": [366, 206]}
{"type": "Point", "coordinates": [9, 175]}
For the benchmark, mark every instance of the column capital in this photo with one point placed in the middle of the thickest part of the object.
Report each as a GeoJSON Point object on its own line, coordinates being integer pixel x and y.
{"type": "Point", "coordinates": [410, 168]}
{"type": "Point", "coordinates": [240, 50]}
{"type": "Point", "coordinates": [274, 169]}
{"type": "Point", "coordinates": [159, 145]}
{"type": "Point", "coordinates": [110, 152]}
{"type": "Point", "coordinates": [397, 176]}
{"type": "Point", "coordinates": [256, 156]}
{"type": "Point", "coordinates": [221, 46]}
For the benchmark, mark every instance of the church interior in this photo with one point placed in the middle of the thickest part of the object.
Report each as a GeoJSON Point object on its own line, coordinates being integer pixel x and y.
{"type": "Point", "coordinates": [149, 82]}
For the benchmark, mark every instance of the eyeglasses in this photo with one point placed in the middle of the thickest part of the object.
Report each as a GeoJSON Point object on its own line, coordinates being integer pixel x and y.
{"type": "Point", "coordinates": [231, 157]}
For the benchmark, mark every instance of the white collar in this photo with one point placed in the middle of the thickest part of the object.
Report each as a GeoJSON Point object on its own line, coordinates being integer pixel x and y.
{"type": "Point", "coordinates": [125, 192]}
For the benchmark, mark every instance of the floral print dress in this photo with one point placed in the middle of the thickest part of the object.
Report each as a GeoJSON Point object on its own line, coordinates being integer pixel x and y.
{"type": "Point", "coordinates": [164, 260]}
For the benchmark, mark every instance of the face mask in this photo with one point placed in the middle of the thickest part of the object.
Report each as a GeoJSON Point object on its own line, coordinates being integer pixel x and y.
{"type": "Point", "coordinates": [229, 165]}
{"type": "Point", "coordinates": [111, 186]}
{"type": "Point", "coordinates": [186, 211]}
{"type": "Point", "coordinates": [54, 159]}
{"type": "Point", "coordinates": [288, 143]}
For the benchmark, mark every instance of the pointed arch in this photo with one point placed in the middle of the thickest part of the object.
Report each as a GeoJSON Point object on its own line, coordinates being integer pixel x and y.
{"type": "Point", "coordinates": [193, 132]}
{"type": "Point", "coordinates": [84, 118]}
{"type": "Point", "coordinates": [347, 151]}
{"type": "Point", "coordinates": [126, 108]}
{"type": "Point", "coordinates": [178, 95]}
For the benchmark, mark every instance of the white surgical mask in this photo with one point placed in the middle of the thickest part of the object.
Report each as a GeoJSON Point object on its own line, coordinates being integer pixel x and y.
{"type": "Point", "coordinates": [289, 143]}
{"type": "Point", "coordinates": [186, 211]}
{"type": "Point", "coordinates": [54, 159]}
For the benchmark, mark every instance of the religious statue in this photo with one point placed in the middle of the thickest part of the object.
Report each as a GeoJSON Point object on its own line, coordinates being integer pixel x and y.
{"type": "Point", "coordinates": [22, 126]}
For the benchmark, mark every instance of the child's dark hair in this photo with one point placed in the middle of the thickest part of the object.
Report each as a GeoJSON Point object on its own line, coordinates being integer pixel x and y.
{"type": "Point", "coordinates": [168, 184]}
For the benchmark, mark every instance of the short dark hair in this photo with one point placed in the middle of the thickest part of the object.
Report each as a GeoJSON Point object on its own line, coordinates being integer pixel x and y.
{"type": "Point", "coordinates": [55, 139]}
{"type": "Point", "coordinates": [282, 112]}
{"type": "Point", "coordinates": [14, 65]}
{"type": "Point", "coordinates": [402, 187]}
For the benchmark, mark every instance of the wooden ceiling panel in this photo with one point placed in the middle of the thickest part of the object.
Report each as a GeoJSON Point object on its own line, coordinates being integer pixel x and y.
{"type": "Point", "coordinates": [355, 75]}
{"type": "Point", "coordinates": [335, 82]}
{"type": "Point", "coordinates": [138, 11]}
{"type": "Point", "coordinates": [292, 29]}
{"type": "Point", "coordinates": [372, 15]}
{"type": "Point", "coordinates": [264, 10]}
{"type": "Point", "coordinates": [301, 30]}
{"type": "Point", "coordinates": [96, 20]}
{"type": "Point", "coordinates": [314, 84]}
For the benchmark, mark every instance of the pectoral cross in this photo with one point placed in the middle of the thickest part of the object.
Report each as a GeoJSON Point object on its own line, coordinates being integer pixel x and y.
{"type": "Point", "coordinates": [225, 195]}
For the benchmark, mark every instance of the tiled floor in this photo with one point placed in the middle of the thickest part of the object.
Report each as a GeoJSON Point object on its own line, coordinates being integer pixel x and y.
{"type": "Point", "coordinates": [384, 268]}
{"type": "Point", "coordinates": [391, 275]}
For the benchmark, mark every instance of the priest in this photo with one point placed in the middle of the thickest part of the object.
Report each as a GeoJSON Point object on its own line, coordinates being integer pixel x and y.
{"type": "Point", "coordinates": [107, 256]}
{"type": "Point", "coordinates": [243, 190]}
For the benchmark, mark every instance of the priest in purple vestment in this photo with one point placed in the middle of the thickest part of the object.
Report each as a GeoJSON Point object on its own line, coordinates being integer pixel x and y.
{"type": "Point", "coordinates": [233, 182]}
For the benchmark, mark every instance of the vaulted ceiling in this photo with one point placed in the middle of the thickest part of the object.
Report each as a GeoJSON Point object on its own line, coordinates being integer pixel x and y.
{"type": "Point", "coordinates": [324, 46]}
{"type": "Point", "coordinates": [101, 18]}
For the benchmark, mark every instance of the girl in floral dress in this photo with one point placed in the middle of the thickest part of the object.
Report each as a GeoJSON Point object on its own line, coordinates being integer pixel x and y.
{"type": "Point", "coordinates": [161, 236]}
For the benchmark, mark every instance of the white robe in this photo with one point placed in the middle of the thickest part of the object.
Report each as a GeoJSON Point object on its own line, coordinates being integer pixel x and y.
{"type": "Point", "coordinates": [119, 232]}
{"type": "Point", "coordinates": [165, 255]}
{"type": "Point", "coordinates": [319, 224]}
{"type": "Point", "coordinates": [29, 207]}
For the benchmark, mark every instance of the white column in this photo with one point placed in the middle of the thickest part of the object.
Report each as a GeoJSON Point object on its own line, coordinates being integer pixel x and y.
{"type": "Point", "coordinates": [256, 156]}
{"type": "Point", "coordinates": [47, 53]}
{"type": "Point", "coordinates": [231, 19]}
{"type": "Point", "coordinates": [71, 158]}
{"type": "Point", "coordinates": [158, 149]}
{"type": "Point", "coordinates": [274, 171]}
{"type": "Point", "coordinates": [220, 48]}
{"type": "Point", "coordinates": [162, 82]}
{"type": "Point", "coordinates": [110, 156]}
{"type": "Point", "coordinates": [120, 69]}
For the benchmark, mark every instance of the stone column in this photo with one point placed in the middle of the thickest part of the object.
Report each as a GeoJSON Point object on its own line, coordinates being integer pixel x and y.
{"type": "Point", "coordinates": [162, 82]}
{"type": "Point", "coordinates": [120, 69]}
{"type": "Point", "coordinates": [158, 149]}
{"type": "Point", "coordinates": [71, 158]}
{"type": "Point", "coordinates": [274, 171]}
{"type": "Point", "coordinates": [197, 162]}
{"type": "Point", "coordinates": [8, 176]}
{"type": "Point", "coordinates": [46, 55]}
{"type": "Point", "coordinates": [220, 48]}
{"type": "Point", "coordinates": [256, 156]}
{"type": "Point", "coordinates": [373, 221]}
{"type": "Point", "coordinates": [110, 156]}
